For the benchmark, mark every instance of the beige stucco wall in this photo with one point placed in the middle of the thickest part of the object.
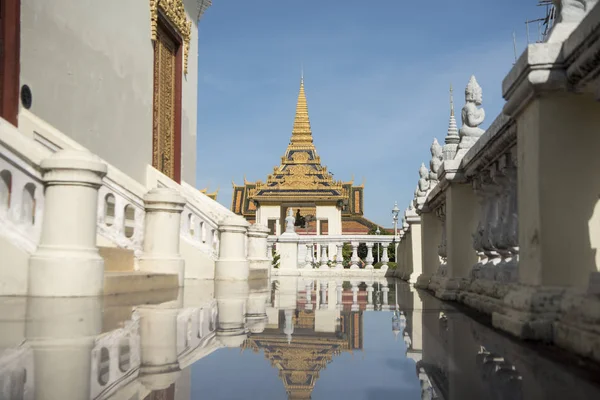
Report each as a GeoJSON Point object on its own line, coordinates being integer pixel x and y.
{"type": "Point", "coordinates": [89, 65]}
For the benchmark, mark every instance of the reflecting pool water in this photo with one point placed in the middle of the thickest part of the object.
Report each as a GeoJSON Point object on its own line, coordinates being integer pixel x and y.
{"type": "Point", "coordinates": [291, 338]}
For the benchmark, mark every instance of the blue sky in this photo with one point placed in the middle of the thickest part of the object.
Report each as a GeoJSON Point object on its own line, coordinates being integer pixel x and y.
{"type": "Point", "coordinates": [376, 76]}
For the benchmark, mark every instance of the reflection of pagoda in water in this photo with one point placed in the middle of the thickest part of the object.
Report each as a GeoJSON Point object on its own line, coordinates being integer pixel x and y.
{"type": "Point", "coordinates": [300, 358]}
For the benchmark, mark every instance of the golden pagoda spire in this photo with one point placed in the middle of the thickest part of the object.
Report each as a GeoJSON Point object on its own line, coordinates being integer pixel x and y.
{"type": "Point", "coordinates": [301, 133]}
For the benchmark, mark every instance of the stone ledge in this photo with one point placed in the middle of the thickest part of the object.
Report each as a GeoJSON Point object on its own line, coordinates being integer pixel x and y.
{"type": "Point", "coordinates": [130, 282]}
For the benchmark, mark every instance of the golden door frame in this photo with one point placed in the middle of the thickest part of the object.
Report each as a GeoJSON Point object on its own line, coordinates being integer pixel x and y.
{"type": "Point", "coordinates": [165, 28]}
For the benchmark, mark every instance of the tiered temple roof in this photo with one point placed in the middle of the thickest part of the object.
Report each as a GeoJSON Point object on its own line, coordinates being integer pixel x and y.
{"type": "Point", "coordinates": [300, 178]}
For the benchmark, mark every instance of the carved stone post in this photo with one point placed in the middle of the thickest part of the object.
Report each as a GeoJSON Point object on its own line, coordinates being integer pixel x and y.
{"type": "Point", "coordinates": [324, 258]}
{"type": "Point", "coordinates": [161, 233]}
{"type": "Point", "coordinates": [369, 259]}
{"type": "Point", "coordinates": [66, 262]}
{"type": "Point", "coordinates": [257, 247]}
{"type": "Point", "coordinates": [232, 263]}
{"type": "Point", "coordinates": [354, 259]}
{"type": "Point", "coordinates": [384, 294]}
{"type": "Point", "coordinates": [339, 257]}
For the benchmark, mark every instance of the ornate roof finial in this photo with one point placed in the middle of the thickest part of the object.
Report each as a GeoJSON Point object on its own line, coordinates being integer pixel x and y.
{"type": "Point", "coordinates": [452, 138]}
{"type": "Point", "coordinates": [301, 132]}
{"type": "Point", "coordinates": [451, 102]}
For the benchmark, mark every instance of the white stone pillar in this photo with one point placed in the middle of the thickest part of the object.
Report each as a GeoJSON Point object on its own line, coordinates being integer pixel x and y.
{"type": "Point", "coordinates": [384, 294]}
{"type": "Point", "coordinates": [288, 328]}
{"type": "Point", "coordinates": [66, 262]}
{"type": "Point", "coordinates": [232, 263]}
{"type": "Point", "coordinates": [431, 234]}
{"type": "Point", "coordinates": [232, 297]}
{"type": "Point", "coordinates": [354, 259]}
{"type": "Point", "coordinates": [256, 314]}
{"type": "Point", "coordinates": [62, 334]}
{"type": "Point", "coordinates": [369, 259]}
{"type": "Point", "coordinates": [161, 233]}
{"type": "Point", "coordinates": [416, 268]}
{"type": "Point", "coordinates": [257, 247]}
{"type": "Point", "coordinates": [324, 258]}
{"type": "Point", "coordinates": [158, 341]}
{"type": "Point", "coordinates": [339, 257]}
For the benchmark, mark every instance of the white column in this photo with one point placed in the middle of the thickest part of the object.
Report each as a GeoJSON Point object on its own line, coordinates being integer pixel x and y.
{"type": "Point", "coordinates": [66, 262]}
{"type": "Point", "coordinates": [158, 341]}
{"type": "Point", "coordinates": [62, 334]}
{"type": "Point", "coordinates": [232, 297]}
{"type": "Point", "coordinates": [161, 233]}
{"type": "Point", "coordinates": [256, 314]}
{"type": "Point", "coordinates": [257, 247]}
{"type": "Point", "coordinates": [232, 263]}
{"type": "Point", "coordinates": [369, 260]}
{"type": "Point", "coordinates": [340, 256]}
{"type": "Point", "coordinates": [354, 259]}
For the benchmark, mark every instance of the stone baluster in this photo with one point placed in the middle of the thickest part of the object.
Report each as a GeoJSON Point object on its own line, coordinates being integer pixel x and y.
{"type": "Point", "coordinates": [384, 294]}
{"type": "Point", "coordinates": [354, 296]}
{"type": "Point", "coordinates": [339, 257]}
{"type": "Point", "coordinates": [308, 259]}
{"type": "Point", "coordinates": [354, 259]}
{"type": "Point", "coordinates": [370, 296]}
{"type": "Point", "coordinates": [324, 258]}
{"type": "Point", "coordinates": [308, 289]}
{"type": "Point", "coordinates": [161, 233]}
{"type": "Point", "coordinates": [66, 262]}
{"type": "Point", "coordinates": [323, 295]}
{"type": "Point", "coordinates": [493, 194]}
{"type": "Point", "coordinates": [369, 259]}
{"type": "Point", "coordinates": [384, 257]}
{"type": "Point", "coordinates": [339, 288]}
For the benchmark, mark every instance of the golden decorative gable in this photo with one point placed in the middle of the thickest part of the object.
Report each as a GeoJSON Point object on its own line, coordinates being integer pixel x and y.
{"type": "Point", "coordinates": [174, 12]}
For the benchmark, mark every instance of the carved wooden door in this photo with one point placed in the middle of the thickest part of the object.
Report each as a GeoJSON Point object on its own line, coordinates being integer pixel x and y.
{"type": "Point", "coordinates": [166, 148]}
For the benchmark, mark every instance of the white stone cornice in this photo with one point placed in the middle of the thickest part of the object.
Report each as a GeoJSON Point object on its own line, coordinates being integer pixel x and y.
{"type": "Point", "coordinates": [582, 53]}
{"type": "Point", "coordinates": [539, 69]}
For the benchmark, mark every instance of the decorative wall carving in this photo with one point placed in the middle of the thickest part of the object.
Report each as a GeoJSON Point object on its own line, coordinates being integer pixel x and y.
{"type": "Point", "coordinates": [174, 12]}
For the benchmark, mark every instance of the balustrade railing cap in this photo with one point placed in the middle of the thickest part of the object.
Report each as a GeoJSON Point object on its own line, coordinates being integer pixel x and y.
{"type": "Point", "coordinates": [259, 228]}
{"type": "Point", "coordinates": [234, 220]}
{"type": "Point", "coordinates": [164, 195]}
{"type": "Point", "coordinates": [74, 160]}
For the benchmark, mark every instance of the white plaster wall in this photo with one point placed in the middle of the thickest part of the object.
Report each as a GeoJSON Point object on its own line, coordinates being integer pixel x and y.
{"type": "Point", "coordinates": [269, 212]}
{"type": "Point", "coordinates": [89, 65]}
{"type": "Point", "coordinates": [334, 216]}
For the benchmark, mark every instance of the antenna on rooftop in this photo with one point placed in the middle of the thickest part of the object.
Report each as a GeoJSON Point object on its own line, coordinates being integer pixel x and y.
{"type": "Point", "coordinates": [545, 23]}
{"type": "Point", "coordinates": [515, 45]}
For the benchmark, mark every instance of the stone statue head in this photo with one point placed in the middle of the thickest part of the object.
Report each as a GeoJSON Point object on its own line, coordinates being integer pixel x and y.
{"type": "Point", "coordinates": [473, 92]}
{"type": "Point", "coordinates": [423, 172]}
{"type": "Point", "coordinates": [436, 149]}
